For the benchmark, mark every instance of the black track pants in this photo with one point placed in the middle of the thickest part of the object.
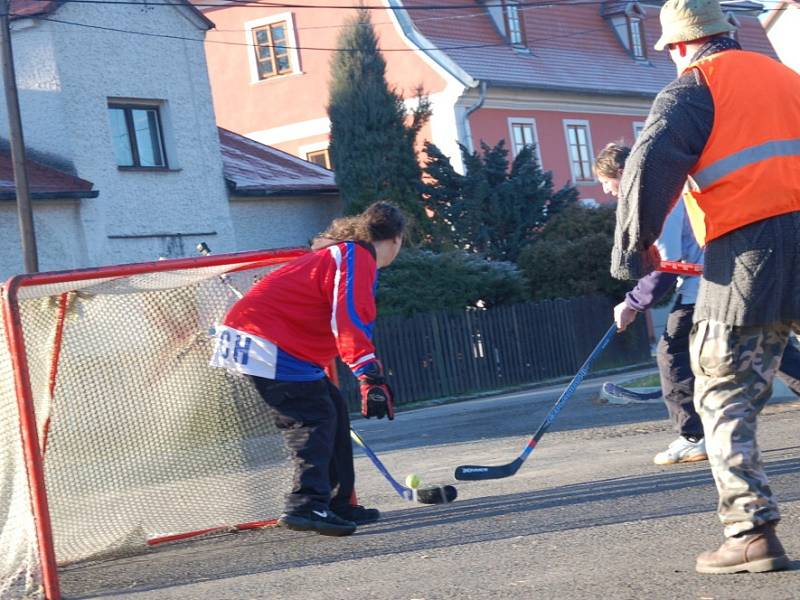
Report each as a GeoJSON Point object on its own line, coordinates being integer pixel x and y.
{"type": "Point", "coordinates": [314, 421]}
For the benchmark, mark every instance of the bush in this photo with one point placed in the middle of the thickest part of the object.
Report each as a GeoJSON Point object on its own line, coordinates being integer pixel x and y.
{"type": "Point", "coordinates": [571, 257]}
{"type": "Point", "coordinates": [423, 281]}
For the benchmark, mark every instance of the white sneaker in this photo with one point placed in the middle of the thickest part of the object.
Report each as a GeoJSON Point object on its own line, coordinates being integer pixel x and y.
{"type": "Point", "coordinates": [681, 451]}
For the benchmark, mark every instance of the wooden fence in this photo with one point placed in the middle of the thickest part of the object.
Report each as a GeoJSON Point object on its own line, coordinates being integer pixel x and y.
{"type": "Point", "coordinates": [444, 354]}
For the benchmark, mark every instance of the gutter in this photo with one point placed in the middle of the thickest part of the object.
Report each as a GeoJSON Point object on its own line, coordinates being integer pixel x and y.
{"type": "Point", "coordinates": [12, 196]}
{"type": "Point", "coordinates": [478, 103]}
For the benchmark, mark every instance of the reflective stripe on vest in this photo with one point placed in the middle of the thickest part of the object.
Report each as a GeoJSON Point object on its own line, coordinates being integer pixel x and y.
{"type": "Point", "coordinates": [749, 169]}
{"type": "Point", "coordinates": [743, 158]}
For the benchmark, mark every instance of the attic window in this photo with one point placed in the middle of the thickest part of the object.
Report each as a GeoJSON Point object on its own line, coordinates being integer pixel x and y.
{"type": "Point", "coordinates": [637, 44]}
{"type": "Point", "coordinates": [514, 26]}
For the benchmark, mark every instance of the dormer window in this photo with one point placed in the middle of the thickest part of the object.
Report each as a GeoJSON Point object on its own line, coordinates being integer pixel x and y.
{"type": "Point", "coordinates": [636, 36]}
{"type": "Point", "coordinates": [627, 21]}
{"type": "Point", "coordinates": [514, 27]}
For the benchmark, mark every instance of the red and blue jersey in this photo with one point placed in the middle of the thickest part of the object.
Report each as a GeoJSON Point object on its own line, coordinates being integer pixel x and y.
{"type": "Point", "coordinates": [297, 319]}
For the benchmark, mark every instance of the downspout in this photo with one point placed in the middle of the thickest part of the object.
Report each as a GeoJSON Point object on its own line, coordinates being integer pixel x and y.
{"type": "Point", "coordinates": [478, 103]}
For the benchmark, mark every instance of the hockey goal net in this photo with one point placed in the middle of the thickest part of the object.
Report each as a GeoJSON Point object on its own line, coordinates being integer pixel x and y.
{"type": "Point", "coordinates": [115, 433]}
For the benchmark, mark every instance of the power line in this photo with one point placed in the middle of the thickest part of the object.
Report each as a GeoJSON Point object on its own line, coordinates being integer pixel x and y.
{"type": "Point", "coordinates": [228, 43]}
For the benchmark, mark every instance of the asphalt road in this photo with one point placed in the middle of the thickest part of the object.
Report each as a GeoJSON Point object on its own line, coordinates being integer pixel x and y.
{"type": "Point", "coordinates": [587, 516]}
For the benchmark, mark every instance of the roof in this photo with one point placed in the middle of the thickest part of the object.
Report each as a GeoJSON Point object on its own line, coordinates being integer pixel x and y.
{"type": "Point", "coordinates": [20, 9]}
{"type": "Point", "coordinates": [45, 182]}
{"type": "Point", "coordinates": [572, 48]}
{"type": "Point", "coordinates": [254, 169]}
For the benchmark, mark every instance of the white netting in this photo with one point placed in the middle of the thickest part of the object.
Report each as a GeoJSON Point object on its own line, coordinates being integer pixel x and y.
{"type": "Point", "coordinates": [144, 438]}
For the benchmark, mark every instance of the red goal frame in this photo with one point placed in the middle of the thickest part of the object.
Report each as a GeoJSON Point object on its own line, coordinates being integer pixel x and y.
{"type": "Point", "coordinates": [16, 346]}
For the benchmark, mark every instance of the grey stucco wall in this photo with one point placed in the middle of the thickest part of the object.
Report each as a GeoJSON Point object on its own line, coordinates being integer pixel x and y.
{"type": "Point", "coordinates": [279, 222]}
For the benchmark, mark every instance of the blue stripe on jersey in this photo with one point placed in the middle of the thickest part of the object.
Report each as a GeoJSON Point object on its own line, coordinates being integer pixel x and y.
{"type": "Point", "coordinates": [351, 305]}
{"type": "Point", "coordinates": [291, 368]}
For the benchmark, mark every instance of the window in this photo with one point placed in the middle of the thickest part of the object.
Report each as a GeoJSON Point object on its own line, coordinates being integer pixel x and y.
{"type": "Point", "coordinates": [523, 133]}
{"type": "Point", "coordinates": [579, 147]}
{"type": "Point", "coordinates": [272, 54]}
{"type": "Point", "coordinates": [320, 157]}
{"type": "Point", "coordinates": [638, 126]}
{"type": "Point", "coordinates": [636, 35]}
{"type": "Point", "coordinates": [137, 136]}
{"type": "Point", "coordinates": [514, 27]}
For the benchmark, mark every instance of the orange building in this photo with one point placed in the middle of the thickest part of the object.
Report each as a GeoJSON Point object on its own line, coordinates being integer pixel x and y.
{"type": "Point", "coordinates": [568, 77]}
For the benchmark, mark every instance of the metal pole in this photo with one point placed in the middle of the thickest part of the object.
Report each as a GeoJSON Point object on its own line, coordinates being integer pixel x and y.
{"type": "Point", "coordinates": [24, 210]}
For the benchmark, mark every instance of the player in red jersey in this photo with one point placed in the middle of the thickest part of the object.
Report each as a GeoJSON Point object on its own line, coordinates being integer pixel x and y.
{"type": "Point", "coordinates": [283, 333]}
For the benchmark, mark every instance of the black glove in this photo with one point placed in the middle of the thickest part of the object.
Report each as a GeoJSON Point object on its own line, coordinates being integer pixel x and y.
{"type": "Point", "coordinates": [377, 399]}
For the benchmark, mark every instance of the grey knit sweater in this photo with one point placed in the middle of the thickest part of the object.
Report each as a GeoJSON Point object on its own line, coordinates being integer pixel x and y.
{"type": "Point", "coordinates": [752, 274]}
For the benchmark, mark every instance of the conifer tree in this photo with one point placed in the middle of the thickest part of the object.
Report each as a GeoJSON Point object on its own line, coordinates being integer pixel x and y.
{"type": "Point", "coordinates": [372, 135]}
{"type": "Point", "coordinates": [494, 208]}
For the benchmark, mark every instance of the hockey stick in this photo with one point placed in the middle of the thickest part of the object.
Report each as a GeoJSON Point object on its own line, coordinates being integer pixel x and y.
{"type": "Point", "coordinates": [616, 394]}
{"type": "Point", "coordinates": [680, 268]}
{"type": "Point", "coordinates": [439, 494]}
{"type": "Point", "coordinates": [479, 472]}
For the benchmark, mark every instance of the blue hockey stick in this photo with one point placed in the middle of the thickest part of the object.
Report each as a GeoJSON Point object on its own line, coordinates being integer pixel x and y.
{"type": "Point", "coordinates": [440, 494]}
{"type": "Point", "coordinates": [478, 472]}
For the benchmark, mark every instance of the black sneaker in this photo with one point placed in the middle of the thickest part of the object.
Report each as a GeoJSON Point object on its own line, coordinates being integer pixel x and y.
{"type": "Point", "coordinates": [324, 522]}
{"type": "Point", "coordinates": [358, 514]}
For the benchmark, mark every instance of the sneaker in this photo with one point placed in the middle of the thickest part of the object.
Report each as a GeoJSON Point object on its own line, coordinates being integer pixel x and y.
{"type": "Point", "coordinates": [358, 514]}
{"type": "Point", "coordinates": [682, 451]}
{"type": "Point", "coordinates": [324, 522]}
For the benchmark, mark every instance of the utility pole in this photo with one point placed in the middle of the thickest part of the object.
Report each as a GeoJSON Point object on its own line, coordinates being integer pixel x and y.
{"type": "Point", "coordinates": [24, 210]}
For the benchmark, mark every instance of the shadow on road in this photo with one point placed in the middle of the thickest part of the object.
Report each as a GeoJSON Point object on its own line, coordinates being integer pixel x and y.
{"type": "Point", "coordinates": [493, 517]}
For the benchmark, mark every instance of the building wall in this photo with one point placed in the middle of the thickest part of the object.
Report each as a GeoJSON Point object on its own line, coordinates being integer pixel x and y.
{"type": "Point", "coordinates": [67, 74]}
{"type": "Point", "coordinates": [607, 123]}
{"type": "Point", "coordinates": [280, 222]}
{"type": "Point", "coordinates": [289, 111]}
{"type": "Point", "coordinates": [60, 236]}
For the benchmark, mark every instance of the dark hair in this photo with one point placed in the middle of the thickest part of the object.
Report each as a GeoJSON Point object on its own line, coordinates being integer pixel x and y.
{"type": "Point", "coordinates": [380, 221]}
{"type": "Point", "coordinates": [611, 160]}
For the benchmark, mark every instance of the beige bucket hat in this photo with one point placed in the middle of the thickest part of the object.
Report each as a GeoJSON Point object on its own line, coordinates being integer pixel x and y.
{"type": "Point", "coordinates": [688, 20]}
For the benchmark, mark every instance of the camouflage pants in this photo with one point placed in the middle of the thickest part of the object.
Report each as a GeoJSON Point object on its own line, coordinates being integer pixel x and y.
{"type": "Point", "coordinates": [734, 367]}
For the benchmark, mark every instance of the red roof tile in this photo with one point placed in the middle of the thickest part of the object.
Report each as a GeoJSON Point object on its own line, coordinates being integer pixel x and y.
{"type": "Point", "coordinates": [572, 47]}
{"type": "Point", "coordinates": [31, 8]}
{"type": "Point", "coordinates": [44, 181]}
{"type": "Point", "coordinates": [254, 169]}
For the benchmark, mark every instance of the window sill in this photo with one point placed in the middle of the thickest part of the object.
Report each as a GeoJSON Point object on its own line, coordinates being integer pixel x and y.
{"type": "Point", "coordinates": [584, 182]}
{"type": "Point", "coordinates": [276, 78]}
{"type": "Point", "coordinates": [149, 169]}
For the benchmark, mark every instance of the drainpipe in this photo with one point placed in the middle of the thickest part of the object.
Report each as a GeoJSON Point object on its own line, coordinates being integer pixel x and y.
{"type": "Point", "coordinates": [478, 103]}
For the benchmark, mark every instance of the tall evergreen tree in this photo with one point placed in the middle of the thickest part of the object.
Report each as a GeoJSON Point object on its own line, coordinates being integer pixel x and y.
{"type": "Point", "coordinates": [372, 135]}
{"type": "Point", "coordinates": [495, 209]}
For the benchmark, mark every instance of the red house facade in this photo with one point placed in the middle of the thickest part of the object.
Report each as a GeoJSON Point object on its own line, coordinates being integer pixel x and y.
{"type": "Point", "coordinates": [568, 77]}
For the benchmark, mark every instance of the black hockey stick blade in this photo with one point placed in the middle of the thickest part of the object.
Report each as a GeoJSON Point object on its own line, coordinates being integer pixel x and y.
{"type": "Point", "coordinates": [439, 494]}
{"type": "Point", "coordinates": [479, 472]}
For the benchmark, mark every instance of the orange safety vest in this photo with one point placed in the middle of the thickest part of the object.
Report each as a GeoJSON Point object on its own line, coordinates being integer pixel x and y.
{"type": "Point", "coordinates": [749, 169]}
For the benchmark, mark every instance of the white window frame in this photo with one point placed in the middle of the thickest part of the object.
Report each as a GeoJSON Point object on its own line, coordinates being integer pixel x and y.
{"type": "Point", "coordinates": [307, 149]}
{"type": "Point", "coordinates": [516, 36]}
{"type": "Point", "coordinates": [637, 40]}
{"type": "Point", "coordinates": [580, 123]}
{"type": "Point", "coordinates": [524, 121]}
{"type": "Point", "coordinates": [291, 40]}
{"type": "Point", "coordinates": [638, 127]}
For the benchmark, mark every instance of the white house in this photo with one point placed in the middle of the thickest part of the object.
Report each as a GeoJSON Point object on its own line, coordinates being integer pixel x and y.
{"type": "Point", "coordinates": [117, 95]}
{"type": "Point", "coordinates": [782, 24]}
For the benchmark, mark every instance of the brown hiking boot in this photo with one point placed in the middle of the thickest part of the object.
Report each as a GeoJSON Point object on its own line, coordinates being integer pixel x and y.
{"type": "Point", "coordinates": [756, 551]}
